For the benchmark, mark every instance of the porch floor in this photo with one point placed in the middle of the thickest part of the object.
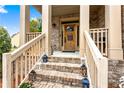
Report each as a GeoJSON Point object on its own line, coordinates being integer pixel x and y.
{"type": "Point", "coordinates": [66, 54]}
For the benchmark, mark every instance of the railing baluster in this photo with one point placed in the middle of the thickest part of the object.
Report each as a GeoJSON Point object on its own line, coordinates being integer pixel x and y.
{"type": "Point", "coordinates": [22, 66]}
{"type": "Point", "coordinates": [29, 58]}
{"type": "Point", "coordinates": [25, 58]}
{"type": "Point", "coordinates": [101, 41]}
{"type": "Point", "coordinates": [17, 73]}
{"type": "Point", "coordinates": [98, 39]}
{"type": "Point", "coordinates": [12, 75]}
{"type": "Point", "coordinates": [106, 42]}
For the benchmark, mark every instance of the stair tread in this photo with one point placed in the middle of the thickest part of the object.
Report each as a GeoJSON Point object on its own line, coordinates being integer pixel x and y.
{"type": "Point", "coordinates": [61, 64]}
{"type": "Point", "coordinates": [45, 84]}
{"type": "Point", "coordinates": [59, 74]}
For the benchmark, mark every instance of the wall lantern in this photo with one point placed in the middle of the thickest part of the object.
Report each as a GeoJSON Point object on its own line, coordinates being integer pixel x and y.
{"type": "Point", "coordinates": [45, 58]}
{"type": "Point", "coordinates": [83, 69]}
{"type": "Point", "coordinates": [54, 25]}
{"type": "Point", "coordinates": [32, 76]}
{"type": "Point", "coordinates": [85, 83]}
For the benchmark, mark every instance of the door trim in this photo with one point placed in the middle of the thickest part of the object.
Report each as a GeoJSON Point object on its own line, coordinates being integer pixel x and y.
{"type": "Point", "coordinates": [70, 19]}
{"type": "Point", "coordinates": [64, 36]}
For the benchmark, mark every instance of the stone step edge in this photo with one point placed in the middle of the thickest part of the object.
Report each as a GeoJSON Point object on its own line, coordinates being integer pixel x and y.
{"type": "Point", "coordinates": [58, 85]}
{"type": "Point", "coordinates": [68, 80]}
{"type": "Point", "coordinates": [65, 67]}
{"type": "Point", "coordinates": [64, 57]}
{"type": "Point", "coordinates": [58, 64]}
{"type": "Point", "coordinates": [38, 72]}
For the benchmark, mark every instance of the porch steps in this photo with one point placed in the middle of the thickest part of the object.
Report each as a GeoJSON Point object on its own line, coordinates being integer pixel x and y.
{"type": "Point", "coordinates": [72, 60]}
{"type": "Point", "coordinates": [65, 78]}
{"type": "Point", "coordinates": [45, 84]}
{"type": "Point", "coordinates": [63, 67]}
{"type": "Point", "coordinates": [59, 72]}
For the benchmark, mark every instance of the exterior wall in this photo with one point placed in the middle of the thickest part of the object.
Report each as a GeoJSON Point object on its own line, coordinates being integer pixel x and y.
{"type": "Point", "coordinates": [122, 24]}
{"type": "Point", "coordinates": [115, 71]}
{"type": "Point", "coordinates": [15, 40]}
{"type": "Point", "coordinates": [55, 32]}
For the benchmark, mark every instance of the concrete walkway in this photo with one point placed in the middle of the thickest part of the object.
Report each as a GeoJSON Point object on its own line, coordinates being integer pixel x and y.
{"type": "Point", "coordinates": [66, 54]}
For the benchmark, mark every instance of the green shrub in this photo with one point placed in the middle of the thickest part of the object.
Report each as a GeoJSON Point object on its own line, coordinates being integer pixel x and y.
{"type": "Point", "coordinates": [25, 85]}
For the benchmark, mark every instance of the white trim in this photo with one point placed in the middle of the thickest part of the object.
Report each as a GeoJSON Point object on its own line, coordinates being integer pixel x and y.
{"type": "Point", "coordinates": [120, 49]}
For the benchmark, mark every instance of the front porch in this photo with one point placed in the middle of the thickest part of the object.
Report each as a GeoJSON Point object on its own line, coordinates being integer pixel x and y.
{"type": "Point", "coordinates": [60, 39]}
{"type": "Point", "coordinates": [83, 41]}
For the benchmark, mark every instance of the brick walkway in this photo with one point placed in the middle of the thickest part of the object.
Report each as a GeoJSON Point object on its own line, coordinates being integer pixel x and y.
{"type": "Point", "coordinates": [43, 84]}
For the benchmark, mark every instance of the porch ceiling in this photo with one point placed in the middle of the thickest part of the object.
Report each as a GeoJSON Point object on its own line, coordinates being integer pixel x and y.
{"type": "Point", "coordinates": [59, 10]}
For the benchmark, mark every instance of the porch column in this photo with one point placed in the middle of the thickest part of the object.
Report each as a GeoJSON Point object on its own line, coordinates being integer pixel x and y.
{"type": "Point", "coordinates": [113, 23]}
{"type": "Point", "coordinates": [24, 22]}
{"type": "Point", "coordinates": [84, 26]}
{"type": "Point", "coordinates": [46, 26]}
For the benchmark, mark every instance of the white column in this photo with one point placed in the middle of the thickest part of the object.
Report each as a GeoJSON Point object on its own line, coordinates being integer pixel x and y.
{"type": "Point", "coordinates": [24, 22]}
{"type": "Point", "coordinates": [84, 26]}
{"type": "Point", "coordinates": [113, 23]}
{"type": "Point", "coordinates": [46, 26]}
{"type": "Point", "coordinates": [6, 67]}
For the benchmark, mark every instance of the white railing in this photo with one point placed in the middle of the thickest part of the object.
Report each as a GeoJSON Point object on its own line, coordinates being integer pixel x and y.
{"type": "Point", "coordinates": [18, 64]}
{"type": "Point", "coordinates": [96, 63]}
{"type": "Point", "coordinates": [100, 37]}
{"type": "Point", "coordinates": [31, 35]}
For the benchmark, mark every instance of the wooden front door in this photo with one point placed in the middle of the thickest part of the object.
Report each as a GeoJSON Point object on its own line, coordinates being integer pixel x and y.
{"type": "Point", "coordinates": [69, 37]}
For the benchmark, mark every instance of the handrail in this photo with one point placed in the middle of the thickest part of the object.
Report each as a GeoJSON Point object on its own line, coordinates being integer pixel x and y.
{"type": "Point", "coordinates": [96, 63]}
{"type": "Point", "coordinates": [18, 64]}
{"type": "Point", "coordinates": [26, 46]}
{"type": "Point", "coordinates": [92, 45]}
{"type": "Point", "coordinates": [98, 29]}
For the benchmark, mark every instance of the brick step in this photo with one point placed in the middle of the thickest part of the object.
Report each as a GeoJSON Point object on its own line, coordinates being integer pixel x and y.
{"type": "Point", "coordinates": [45, 84]}
{"type": "Point", "coordinates": [65, 78]}
{"type": "Point", "coordinates": [65, 60]}
{"type": "Point", "coordinates": [63, 67]}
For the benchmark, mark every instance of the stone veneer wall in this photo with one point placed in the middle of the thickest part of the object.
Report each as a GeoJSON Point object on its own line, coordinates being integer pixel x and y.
{"type": "Point", "coordinates": [101, 17]}
{"type": "Point", "coordinates": [55, 33]}
{"type": "Point", "coordinates": [115, 71]}
{"type": "Point", "coordinates": [97, 18]}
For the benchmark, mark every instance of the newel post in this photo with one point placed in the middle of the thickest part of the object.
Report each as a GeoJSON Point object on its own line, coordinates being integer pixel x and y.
{"type": "Point", "coordinates": [103, 73]}
{"type": "Point", "coordinates": [6, 73]}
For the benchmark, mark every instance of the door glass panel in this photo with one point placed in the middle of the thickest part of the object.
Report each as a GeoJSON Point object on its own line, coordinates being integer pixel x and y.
{"type": "Point", "coordinates": [70, 36]}
{"type": "Point", "coordinates": [70, 28]}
